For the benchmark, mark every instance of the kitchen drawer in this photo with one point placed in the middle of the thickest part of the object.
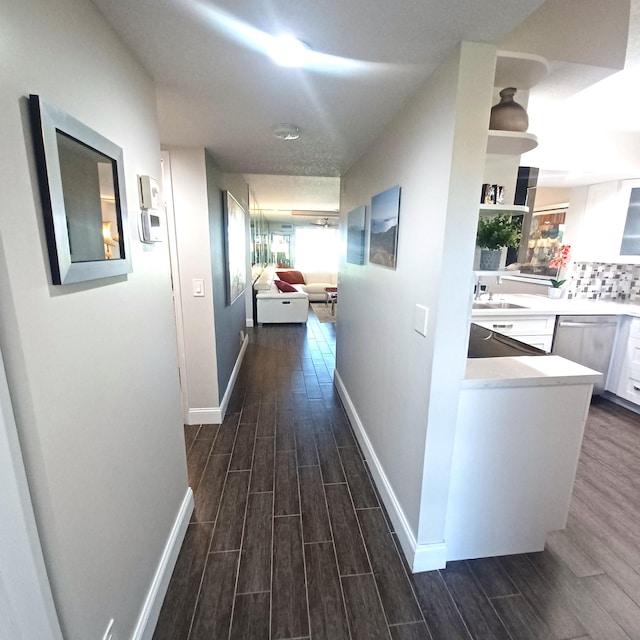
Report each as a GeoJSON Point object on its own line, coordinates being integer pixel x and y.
{"type": "Point", "coordinates": [540, 341]}
{"type": "Point", "coordinates": [633, 353]}
{"type": "Point", "coordinates": [518, 325]}
{"type": "Point", "coordinates": [630, 390]}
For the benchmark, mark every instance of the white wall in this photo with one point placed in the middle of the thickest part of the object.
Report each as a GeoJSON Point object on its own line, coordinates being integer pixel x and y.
{"type": "Point", "coordinates": [404, 387]}
{"type": "Point", "coordinates": [91, 367]}
{"type": "Point", "coordinates": [210, 327]}
{"type": "Point", "coordinates": [191, 212]}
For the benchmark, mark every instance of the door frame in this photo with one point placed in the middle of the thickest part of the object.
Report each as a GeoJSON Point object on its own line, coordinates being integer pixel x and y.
{"type": "Point", "coordinates": [27, 609]}
{"type": "Point", "coordinates": [174, 263]}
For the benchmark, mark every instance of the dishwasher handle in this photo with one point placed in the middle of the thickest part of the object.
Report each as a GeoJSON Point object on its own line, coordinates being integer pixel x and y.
{"type": "Point", "coordinates": [573, 323]}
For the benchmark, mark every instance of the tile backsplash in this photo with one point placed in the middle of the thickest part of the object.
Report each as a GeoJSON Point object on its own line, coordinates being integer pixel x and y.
{"type": "Point", "coordinates": [604, 281]}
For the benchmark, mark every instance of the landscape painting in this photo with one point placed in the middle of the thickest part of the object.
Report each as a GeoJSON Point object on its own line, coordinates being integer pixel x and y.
{"type": "Point", "coordinates": [383, 233]}
{"type": "Point", "coordinates": [355, 235]}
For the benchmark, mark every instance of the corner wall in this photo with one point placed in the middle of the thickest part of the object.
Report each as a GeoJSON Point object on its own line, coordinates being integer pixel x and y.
{"type": "Point", "coordinates": [92, 367]}
{"type": "Point", "coordinates": [403, 387]}
{"type": "Point", "coordinates": [230, 320]}
{"type": "Point", "coordinates": [211, 328]}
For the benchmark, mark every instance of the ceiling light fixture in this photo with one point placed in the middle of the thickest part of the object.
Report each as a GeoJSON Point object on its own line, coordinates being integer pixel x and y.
{"type": "Point", "coordinates": [286, 131]}
{"type": "Point", "coordinates": [288, 51]}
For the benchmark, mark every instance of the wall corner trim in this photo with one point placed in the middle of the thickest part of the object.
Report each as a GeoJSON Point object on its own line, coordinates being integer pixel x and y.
{"type": "Point", "coordinates": [150, 611]}
{"type": "Point", "coordinates": [215, 415]}
{"type": "Point", "coordinates": [421, 557]}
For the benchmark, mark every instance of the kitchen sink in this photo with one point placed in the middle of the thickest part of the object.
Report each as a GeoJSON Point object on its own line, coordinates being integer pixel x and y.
{"type": "Point", "coordinates": [497, 305]}
{"type": "Point", "coordinates": [504, 305]}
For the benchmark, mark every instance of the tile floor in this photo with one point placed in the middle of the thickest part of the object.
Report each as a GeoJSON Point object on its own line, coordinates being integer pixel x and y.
{"type": "Point", "coordinates": [288, 539]}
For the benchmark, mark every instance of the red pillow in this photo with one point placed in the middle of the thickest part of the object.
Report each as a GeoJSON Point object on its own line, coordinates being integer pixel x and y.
{"type": "Point", "coordinates": [292, 277]}
{"type": "Point", "coordinates": [285, 287]}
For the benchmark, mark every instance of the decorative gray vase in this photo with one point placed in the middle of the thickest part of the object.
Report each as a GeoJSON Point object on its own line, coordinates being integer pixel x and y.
{"type": "Point", "coordinates": [508, 115]}
{"type": "Point", "coordinates": [490, 259]}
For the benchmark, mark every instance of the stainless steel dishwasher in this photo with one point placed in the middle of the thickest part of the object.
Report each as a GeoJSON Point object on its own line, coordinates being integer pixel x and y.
{"type": "Point", "coordinates": [587, 340]}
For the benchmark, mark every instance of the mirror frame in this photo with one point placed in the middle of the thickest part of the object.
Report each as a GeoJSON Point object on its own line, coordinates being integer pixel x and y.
{"type": "Point", "coordinates": [46, 122]}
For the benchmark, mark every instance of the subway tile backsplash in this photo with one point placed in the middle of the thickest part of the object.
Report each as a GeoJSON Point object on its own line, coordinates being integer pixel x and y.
{"type": "Point", "coordinates": [604, 281]}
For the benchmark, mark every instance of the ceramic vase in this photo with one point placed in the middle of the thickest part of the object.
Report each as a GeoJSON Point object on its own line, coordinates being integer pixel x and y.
{"type": "Point", "coordinates": [490, 259]}
{"type": "Point", "coordinates": [508, 115]}
{"type": "Point", "coordinates": [555, 292]}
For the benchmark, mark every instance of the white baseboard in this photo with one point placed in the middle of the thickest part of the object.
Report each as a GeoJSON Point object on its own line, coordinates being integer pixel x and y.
{"type": "Point", "coordinates": [215, 415]}
{"type": "Point", "coordinates": [207, 415]}
{"type": "Point", "coordinates": [158, 589]}
{"type": "Point", "coordinates": [421, 557]}
{"type": "Point", "coordinates": [249, 322]}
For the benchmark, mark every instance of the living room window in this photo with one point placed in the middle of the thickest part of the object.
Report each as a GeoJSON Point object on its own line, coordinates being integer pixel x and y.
{"type": "Point", "coordinates": [316, 249]}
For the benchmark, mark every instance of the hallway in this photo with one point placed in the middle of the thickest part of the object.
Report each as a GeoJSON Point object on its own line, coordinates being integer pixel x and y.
{"type": "Point", "coordinates": [288, 538]}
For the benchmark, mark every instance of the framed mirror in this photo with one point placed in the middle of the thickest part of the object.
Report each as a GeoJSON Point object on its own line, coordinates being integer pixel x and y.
{"type": "Point", "coordinates": [81, 181]}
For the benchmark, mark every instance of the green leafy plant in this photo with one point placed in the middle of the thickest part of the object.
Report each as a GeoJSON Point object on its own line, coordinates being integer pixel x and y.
{"type": "Point", "coordinates": [496, 232]}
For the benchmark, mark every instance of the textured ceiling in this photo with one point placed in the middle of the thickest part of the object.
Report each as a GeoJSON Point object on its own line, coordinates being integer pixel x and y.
{"type": "Point", "coordinates": [214, 89]}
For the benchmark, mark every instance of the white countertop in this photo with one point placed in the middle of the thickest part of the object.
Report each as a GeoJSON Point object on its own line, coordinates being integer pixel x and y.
{"type": "Point", "coordinates": [525, 371]}
{"type": "Point", "coordinates": [548, 370]}
{"type": "Point", "coordinates": [542, 305]}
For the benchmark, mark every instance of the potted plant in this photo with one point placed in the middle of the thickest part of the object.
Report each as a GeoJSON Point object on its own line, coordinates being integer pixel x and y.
{"type": "Point", "coordinates": [493, 234]}
{"type": "Point", "coordinates": [559, 261]}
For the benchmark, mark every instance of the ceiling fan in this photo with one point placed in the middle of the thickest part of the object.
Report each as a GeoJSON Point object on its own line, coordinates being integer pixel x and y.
{"type": "Point", "coordinates": [326, 223]}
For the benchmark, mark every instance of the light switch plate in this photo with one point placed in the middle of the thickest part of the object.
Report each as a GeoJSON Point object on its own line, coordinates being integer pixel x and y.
{"type": "Point", "coordinates": [198, 288]}
{"type": "Point", "coordinates": [420, 318]}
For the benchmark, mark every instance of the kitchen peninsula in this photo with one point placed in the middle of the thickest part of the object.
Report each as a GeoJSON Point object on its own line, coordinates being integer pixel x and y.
{"type": "Point", "coordinates": [518, 437]}
{"type": "Point", "coordinates": [519, 431]}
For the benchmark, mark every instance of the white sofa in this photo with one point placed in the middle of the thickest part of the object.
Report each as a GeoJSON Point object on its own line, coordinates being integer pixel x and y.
{"type": "Point", "coordinates": [315, 283]}
{"type": "Point", "coordinates": [275, 306]}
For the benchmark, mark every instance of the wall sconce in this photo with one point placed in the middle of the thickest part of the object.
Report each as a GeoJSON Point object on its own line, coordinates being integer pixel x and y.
{"type": "Point", "coordinates": [109, 240]}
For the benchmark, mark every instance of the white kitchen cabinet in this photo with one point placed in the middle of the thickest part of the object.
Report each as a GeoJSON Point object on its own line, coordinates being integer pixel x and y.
{"type": "Point", "coordinates": [628, 380]}
{"type": "Point", "coordinates": [534, 330]}
{"type": "Point", "coordinates": [602, 223]}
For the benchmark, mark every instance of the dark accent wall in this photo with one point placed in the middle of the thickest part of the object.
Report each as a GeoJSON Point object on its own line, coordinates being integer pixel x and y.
{"type": "Point", "coordinates": [230, 320]}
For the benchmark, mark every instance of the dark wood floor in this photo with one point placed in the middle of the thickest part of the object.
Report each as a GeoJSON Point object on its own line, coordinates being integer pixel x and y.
{"type": "Point", "coordinates": [288, 539]}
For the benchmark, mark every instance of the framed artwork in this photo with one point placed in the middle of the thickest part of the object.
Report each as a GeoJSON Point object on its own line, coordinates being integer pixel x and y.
{"type": "Point", "coordinates": [82, 190]}
{"type": "Point", "coordinates": [235, 248]}
{"type": "Point", "coordinates": [383, 230]}
{"type": "Point", "coordinates": [355, 235]}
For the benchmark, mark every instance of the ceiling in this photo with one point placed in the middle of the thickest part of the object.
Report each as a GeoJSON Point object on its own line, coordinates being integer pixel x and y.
{"type": "Point", "coordinates": [216, 89]}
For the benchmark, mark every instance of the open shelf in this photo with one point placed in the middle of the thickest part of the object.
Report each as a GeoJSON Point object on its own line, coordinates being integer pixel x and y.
{"type": "Point", "coordinates": [504, 208]}
{"type": "Point", "coordinates": [519, 70]}
{"type": "Point", "coordinates": [510, 142]}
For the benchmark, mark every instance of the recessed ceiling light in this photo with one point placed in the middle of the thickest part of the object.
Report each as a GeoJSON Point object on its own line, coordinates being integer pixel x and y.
{"type": "Point", "coordinates": [286, 131]}
{"type": "Point", "coordinates": [288, 51]}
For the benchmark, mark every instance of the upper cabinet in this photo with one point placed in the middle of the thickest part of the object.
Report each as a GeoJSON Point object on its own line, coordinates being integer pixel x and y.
{"type": "Point", "coordinates": [608, 217]}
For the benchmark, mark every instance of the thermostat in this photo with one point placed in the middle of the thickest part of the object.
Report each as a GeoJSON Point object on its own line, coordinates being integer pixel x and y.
{"type": "Point", "coordinates": [150, 226]}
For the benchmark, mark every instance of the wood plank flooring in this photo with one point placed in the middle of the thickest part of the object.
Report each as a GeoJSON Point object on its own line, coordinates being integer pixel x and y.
{"type": "Point", "coordinates": [288, 538]}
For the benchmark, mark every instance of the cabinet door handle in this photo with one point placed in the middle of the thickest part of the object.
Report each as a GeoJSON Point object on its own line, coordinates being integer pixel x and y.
{"type": "Point", "coordinates": [503, 326]}
{"type": "Point", "coordinates": [286, 302]}
{"type": "Point", "coordinates": [599, 325]}
{"type": "Point", "coordinates": [636, 388]}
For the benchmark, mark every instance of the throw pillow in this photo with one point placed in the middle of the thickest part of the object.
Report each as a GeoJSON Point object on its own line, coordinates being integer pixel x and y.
{"type": "Point", "coordinates": [285, 287]}
{"type": "Point", "coordinates": [292, 277]}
